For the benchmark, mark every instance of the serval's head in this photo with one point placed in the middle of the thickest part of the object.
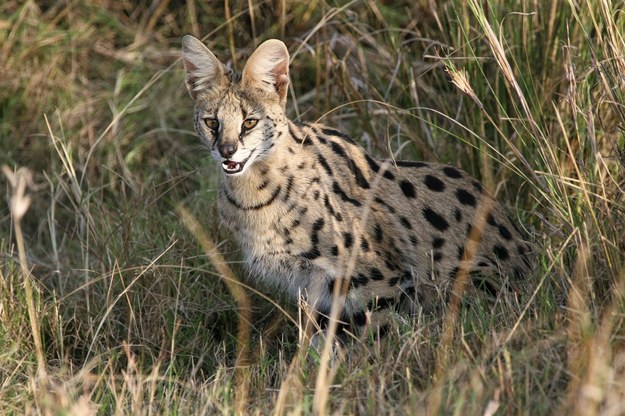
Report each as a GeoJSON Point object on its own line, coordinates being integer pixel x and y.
{"type": "Point", "coordinates": [237, 115]}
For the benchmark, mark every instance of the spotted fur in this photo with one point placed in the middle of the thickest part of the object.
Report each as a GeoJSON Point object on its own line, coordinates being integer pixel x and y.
{"type": "Point", "coordinates": [311, 208]}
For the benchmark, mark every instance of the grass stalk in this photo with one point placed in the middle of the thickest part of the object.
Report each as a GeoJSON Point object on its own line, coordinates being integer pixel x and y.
{"type": "Point", "coordinates": [20, 201]}
{"type": "Point", "coordinates": [244, 307]}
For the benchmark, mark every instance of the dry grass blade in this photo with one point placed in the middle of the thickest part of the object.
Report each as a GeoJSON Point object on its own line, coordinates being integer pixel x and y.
{"type": "Point", "coordinates": [244, 307]}
{"type": "Point", "coordinates": [502, 61]}
{"type": "Point", "coordinates": [450, 324]}
{"type": "Point", "coordinates": [20, 201]}
{"type": "Point", "coordinates": [326, 371]}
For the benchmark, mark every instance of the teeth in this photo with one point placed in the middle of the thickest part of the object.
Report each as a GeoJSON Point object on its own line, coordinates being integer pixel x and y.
{"type": "Point", "coordinates": [230, 166]}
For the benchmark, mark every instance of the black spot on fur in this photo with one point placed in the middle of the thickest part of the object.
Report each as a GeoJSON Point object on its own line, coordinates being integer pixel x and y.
{"type": "Point", "coordinates": [409, 163]}
{"type": "Point", "coordinates": [484, 285]}
{"type": "Point", "coordinates": [521, 250]}
{"type": "Point", "coordinates": [409, 292]}
{"type": "Point", "coordinates": [437, 256]}
{"type": "Point", "coordinates": [263, 184]}
{"type": "Point", "coordinates": [473, 236]}
{"type": "Point", "coordinates": [376, 274]}
{"type": "Point", "coordinates": [504, 232]}
{"type": "Point", "coordinates": [334, 250]}
{"type": "Point", "coordinates": [438, 242]}
{"type": "Point", "coordinates": [452, 172]}
{"type": "Point", "coordinates": [404, 221]}
{"type": "Point", "coordinates": [379, 234]}
{"type": "Point", "coordinates": [465, 197]}
{"type": "Point", "coordinates": [501, 252]}
{"type": "Point", "coordinates": [390, 262]}
{"type": "Point", "coordinates": [311, 254]}
{"type": "Point", "coordinates": [354, 282]}
{"type": "Point", "coordinates": [359, 280]}
{"type": "Point", "coordinates": [434, 184]}
{"type": "Point", "coordinates": [316, 194]}
{"type": "Point", "coordinates": [460, 252]}
{"type": "Point", "coordinates": [394, 281]}
{"type": "Point", "coordinates": [477, 186]}
{"type": "Point", "coordinates": [491, 220]}
{"type": "Point", "coordinates": [457, 215]}
{"type": "Point", "coordinates": [413, 240]}
{"type": "Point", "coordinates": [435, 219]}
{"type": "Point", "coordinates": [383, 203]}
{"type": "Point", "coordinates": [348, 240]}
{"type": "Point", "coordinates": [316, 227]}
{"type": "Point", "coordinates": [408, 189]}
{"type": "Point", "coordinates": [358, 318]}
{"type": "Point", "coordinates": [453, 273]}
{"type": "Point", "coordinates": [364, 245]}
{"type": "Point", "coordinates": [314, 252]}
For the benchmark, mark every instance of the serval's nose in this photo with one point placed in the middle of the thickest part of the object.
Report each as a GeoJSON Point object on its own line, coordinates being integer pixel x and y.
{"type": "Point", "coordinates": [227, 150]}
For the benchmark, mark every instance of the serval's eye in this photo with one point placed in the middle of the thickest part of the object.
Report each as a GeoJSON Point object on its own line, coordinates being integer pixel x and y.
{"type": "Point", "coordinates": [211, 123]}
{"type": "Point", "coordinates": [250, 123]}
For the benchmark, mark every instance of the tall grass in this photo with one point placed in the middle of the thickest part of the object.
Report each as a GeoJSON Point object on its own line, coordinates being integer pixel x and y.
{"type": "Point", "coordinates": [109, 304]}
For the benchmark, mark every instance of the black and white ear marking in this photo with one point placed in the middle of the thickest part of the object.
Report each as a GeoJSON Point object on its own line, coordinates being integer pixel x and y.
{"type": "Point", "coordinates": [204, 71]}
{"type": "Point", "coordinates": [268, 68]}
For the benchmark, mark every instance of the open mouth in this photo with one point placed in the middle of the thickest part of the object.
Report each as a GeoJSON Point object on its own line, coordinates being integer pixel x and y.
{"type": "Point", "coordinates": [231, 167]}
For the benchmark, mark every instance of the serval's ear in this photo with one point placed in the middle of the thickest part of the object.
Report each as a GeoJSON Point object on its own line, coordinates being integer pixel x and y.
{"type": "Point", "coordinates": [268, 69]}
{"type": "Point", "coordinates": [204, 71]}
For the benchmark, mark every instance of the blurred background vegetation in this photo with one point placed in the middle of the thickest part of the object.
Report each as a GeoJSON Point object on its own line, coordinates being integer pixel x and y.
{"type": "Point", "coordinates": [133, 319]}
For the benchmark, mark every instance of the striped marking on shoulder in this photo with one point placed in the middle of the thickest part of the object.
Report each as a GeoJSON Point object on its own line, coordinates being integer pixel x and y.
{"type": "Point", "coordinates": [336, 188]}
{"type": "Point", "coordinates": [306, 141]}
{"type": "Point", "coordinates": [375, 166]}
{"type": "Point", "coordinates": [336, 133]}
{"type": "Point", "coordinates": [351, 164]}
